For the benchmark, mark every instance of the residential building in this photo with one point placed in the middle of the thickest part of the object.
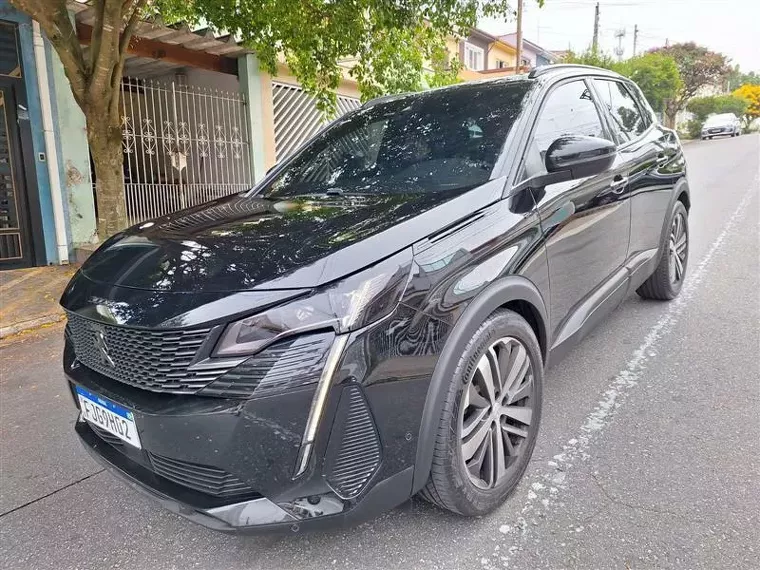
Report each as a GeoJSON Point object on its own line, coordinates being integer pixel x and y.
{"type": "Point", "coordinates": [483, 55]}
{"type": "Point", "coordinates": [200, 120]}
{"type": "Point", "coordinates": [533, 54]}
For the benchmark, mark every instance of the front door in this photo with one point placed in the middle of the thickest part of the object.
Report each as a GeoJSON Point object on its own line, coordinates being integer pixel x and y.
{"type": "Point", "coordinates": [15, 234]}
{"type": "Point", "coordinates": [586, 222]}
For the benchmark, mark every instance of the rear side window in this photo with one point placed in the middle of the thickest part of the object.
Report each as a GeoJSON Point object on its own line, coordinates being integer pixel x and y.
{"type": "Point", "coordinates": [627, 119]}
{"type": "Point", "coordinates": [569, 110]}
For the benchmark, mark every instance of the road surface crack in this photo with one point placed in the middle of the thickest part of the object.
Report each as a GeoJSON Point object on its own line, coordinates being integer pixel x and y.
{"type": "Point", "coordinates": [51, 493]}
{"type": "Point", "coordinates": [613, 499]}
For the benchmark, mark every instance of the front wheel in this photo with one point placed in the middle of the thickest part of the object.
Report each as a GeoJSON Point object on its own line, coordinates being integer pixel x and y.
{"type": "Point", "coordinates": [666, 281]}
{"type": "Point", "coordinates": [490, 419]}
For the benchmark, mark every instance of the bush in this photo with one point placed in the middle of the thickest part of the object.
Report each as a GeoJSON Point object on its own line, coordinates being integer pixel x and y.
{"type": "Point", "coordinates": [694, 128]}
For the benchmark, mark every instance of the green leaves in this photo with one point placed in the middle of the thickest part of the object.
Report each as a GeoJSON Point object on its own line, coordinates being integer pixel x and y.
{"type": "Point", "coordinates": [702, 107]}
{"type": "Point", "coordinates": [387, 46]}
{"type": "Point", "coordinates": [657, 76]}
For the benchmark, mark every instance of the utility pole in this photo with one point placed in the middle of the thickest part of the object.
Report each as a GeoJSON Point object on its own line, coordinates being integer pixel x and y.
{"type": "Point", "coordinates": [595, 40]}
{"type": "Point", "coordinates": [518, 55]}
{"type": "Point", "coordinates": [635, 38]}
{"type": "Point", "coordinates": [620, 34]}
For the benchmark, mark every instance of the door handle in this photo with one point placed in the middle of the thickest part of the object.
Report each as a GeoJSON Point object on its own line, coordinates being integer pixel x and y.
{"type": "Point", "coordinates": [618, 184]}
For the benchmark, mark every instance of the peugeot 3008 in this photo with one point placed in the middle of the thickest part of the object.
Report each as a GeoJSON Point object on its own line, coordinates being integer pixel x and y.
{"type": "Point", "coordinates": [373, 319]}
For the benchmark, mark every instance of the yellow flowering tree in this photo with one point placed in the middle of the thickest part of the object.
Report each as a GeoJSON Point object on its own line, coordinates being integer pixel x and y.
{"type": "Point", "coordinates": [751, 94]}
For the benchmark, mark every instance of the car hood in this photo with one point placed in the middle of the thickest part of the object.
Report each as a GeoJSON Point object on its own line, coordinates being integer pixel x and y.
{"type": "Point", "coordinates": [241, 243]}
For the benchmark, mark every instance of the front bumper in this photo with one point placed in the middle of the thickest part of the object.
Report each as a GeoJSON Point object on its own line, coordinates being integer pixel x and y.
{"type": "Point", "coordinates": [717, 132]}
{"type": "Point", "coordinates": [257, 441]}
{"type": "Point", "coordinates": [254, 516]}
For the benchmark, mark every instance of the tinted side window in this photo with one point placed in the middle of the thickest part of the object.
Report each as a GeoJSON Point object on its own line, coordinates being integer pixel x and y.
{"type": "Point", "coordinates": [627, 119]}
{"type": "Point", "coordinates": [568, 110]}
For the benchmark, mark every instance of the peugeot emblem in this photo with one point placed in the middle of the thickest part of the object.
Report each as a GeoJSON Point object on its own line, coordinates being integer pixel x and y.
{"type": "Point", "coordinates": [100, 344]}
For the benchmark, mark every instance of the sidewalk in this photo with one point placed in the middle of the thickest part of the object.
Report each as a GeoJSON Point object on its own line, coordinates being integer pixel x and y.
{"type": "Point", "coordinates": [29, 297]}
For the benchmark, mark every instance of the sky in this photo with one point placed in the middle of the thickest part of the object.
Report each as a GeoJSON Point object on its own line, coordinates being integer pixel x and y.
{"type": "Point", "coordinates": [731, 27]}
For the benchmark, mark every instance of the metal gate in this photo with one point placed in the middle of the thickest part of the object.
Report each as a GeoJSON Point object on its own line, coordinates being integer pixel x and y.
{"type": "Point", "coordinates": [296, 117]}
{"type": "Point", "coordinates": [183, 145]}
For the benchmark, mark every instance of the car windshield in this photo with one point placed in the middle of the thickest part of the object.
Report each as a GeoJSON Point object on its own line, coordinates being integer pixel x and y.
{"type": "Point", "coordinates": [720, 119]}
{"type": "Point", "coordinates": [437, 141]}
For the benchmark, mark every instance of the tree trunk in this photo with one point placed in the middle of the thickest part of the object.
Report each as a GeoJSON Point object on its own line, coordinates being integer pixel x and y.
{"type": "Point", "coordinates": [671, 110]}
{"type": "Point", "coordinates": [106, 150]}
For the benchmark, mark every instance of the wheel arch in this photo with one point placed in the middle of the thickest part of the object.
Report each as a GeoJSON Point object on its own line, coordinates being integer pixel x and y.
{"type": "Point", "coordinates": [681, 194]}
{"type": "Point", "coordinates": [515, 293]}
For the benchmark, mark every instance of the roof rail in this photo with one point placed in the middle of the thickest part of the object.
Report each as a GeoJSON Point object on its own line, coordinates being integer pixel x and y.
{"type": "Point", "coordinates": [544, 69]}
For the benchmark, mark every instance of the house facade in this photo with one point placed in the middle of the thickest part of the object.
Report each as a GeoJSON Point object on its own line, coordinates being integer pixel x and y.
{"type": "Point", "coordinates": [533, 54]}
{"type": "Point", "coordinates": [200, 120]}
{"type": "Point", "coordinates": [29, 232]}
{"type": "Point", "coordinates": [483, 55]}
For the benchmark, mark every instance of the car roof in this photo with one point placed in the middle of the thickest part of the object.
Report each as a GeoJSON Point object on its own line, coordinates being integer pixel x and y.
{"type": "Point", "coordinates": [548, 71]}
{"type": "Point", "coordinates": [511, 79]}
{"type": "Point", "coordinates": [571, 69]}
{"type": "Point", "coordinates": [722, 116]}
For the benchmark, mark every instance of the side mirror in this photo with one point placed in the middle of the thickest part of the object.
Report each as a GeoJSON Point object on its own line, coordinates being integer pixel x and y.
{"type": "Point", "coordinates": [580, 156]}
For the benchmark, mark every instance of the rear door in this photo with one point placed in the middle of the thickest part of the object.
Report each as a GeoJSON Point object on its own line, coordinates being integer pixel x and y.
{"type": "Point", "coordinates": [587, 221]}
{"type": "Point", "coordinates": [654, 164]}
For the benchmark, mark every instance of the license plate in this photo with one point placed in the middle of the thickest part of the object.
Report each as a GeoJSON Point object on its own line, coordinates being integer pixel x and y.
{"type": "Point", "coordinates": [108, 416]}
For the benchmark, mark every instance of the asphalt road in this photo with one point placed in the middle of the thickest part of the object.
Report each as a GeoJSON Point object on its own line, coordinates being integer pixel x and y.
{"type": "Point", "coordinates": [649, 454]}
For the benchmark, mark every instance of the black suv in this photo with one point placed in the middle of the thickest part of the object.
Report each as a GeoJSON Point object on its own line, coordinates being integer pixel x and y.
{"type": "Point", "coordinates": [374, 318]}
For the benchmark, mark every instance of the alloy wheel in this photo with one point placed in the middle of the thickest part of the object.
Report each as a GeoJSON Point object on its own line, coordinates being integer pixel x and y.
{"type": "Point", "coordinates": [678, 248]}
{"type": "Point", "coordinates": [496, 412]}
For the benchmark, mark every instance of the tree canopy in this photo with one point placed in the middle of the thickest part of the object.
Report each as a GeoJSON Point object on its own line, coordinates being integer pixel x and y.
{"type": "Point", "coordinates": [736, 78]}
{"type": "Point", "coordinates": [388, 46]}
{"type": "Point", "coordinates": [751, 94]}
{"type": "Point", "coordinates": [698, 67]}
{"type": "Point", "coordinates": [656, 74]}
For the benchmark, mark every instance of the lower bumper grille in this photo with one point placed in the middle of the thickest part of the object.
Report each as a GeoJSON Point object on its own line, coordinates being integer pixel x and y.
{"type": "Point", "coordinates": [203, 478]}
{"type": "Point", "coordinates": [353, 452]}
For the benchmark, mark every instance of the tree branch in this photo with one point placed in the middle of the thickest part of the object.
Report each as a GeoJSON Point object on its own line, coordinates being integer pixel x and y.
{"type": "Point", "coordinates": [61, 33]}
{"type": "Point", "coordinates": [97, 33]}
{"type": "Point", "coordinates": [136, 7]}
{"type": "Point", "coordinates": [107, 56]}
{"type": "Point", "coordinates": [129, 29]}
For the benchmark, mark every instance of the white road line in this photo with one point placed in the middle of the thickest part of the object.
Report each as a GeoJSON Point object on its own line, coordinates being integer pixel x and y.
{"type": "Point", "coordinates": [548, 484]}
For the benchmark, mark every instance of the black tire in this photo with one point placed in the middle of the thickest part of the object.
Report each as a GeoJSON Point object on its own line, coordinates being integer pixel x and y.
{"type": "Point", "coordinates": [450, 486]}
{"type": "Point", "coordinates": [661, 285]}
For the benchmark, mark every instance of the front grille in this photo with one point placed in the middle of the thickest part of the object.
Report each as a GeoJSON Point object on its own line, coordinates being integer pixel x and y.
{"type": "Point", "coordinates": [202, 478]}
{"type": "Point", "coordinates": [353, 453]}
{"type": "Point", "coordinates": [148, 359]}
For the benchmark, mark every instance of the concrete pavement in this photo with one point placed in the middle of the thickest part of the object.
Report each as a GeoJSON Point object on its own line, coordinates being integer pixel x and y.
{"type": "Point", "coordinates": [647, 458]}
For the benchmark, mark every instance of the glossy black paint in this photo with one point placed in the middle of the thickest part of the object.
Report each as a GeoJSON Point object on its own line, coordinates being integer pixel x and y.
{"type": "Point", "coordinates": [562, 253]}
{"type": "Point", "coordinates": [582, 156]}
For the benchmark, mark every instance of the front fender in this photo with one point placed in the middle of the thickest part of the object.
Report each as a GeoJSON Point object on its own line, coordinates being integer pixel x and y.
{"type": "Point", "coordinates": [496, 295]}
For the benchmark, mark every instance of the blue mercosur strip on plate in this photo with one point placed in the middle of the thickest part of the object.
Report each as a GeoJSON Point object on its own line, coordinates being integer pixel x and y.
{"type": "Point", "coordinates": [115, 408]}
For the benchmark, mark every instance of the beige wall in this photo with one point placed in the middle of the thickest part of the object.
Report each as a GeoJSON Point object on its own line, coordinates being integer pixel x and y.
{"type": "Point", "coordinates": [347, 88]}
{"type": "Point", "coordinates": [500, 52]}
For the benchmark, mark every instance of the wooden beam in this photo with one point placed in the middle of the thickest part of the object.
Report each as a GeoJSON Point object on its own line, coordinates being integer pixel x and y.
{"type": "Point", "coordinates": [175, 54]}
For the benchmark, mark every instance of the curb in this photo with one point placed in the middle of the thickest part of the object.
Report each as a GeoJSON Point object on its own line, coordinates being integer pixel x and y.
{"type": "Point", "coordinates": [23, 326]}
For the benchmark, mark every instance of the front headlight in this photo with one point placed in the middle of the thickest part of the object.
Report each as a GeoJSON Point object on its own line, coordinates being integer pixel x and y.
{"type": "Point", "coordinates": [346, 305]}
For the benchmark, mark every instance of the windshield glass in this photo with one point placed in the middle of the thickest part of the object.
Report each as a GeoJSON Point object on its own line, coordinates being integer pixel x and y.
{"type": "Point", "coordinates": [720, 119]}
{"type": "Point", "coordinates": [437, 141]}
